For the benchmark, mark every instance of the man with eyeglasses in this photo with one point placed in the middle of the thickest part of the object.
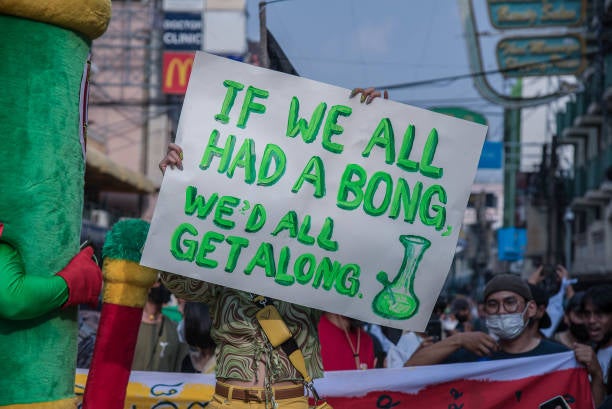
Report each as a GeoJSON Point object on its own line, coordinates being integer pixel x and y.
{"type": "Point", "coordinates": [509, 307]}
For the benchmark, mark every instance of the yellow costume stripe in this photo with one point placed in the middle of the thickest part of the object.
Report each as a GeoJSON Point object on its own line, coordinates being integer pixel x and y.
{"type": "Point", "coordinates": [69, 403]}
{"type": "Point", "coordinates": [126, 282]}
{"type": "Point", "coordinates": [88, 17]}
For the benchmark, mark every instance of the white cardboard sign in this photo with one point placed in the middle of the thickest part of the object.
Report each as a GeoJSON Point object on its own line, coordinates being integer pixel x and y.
{"type": "Point", "coordinates": [293, 190]}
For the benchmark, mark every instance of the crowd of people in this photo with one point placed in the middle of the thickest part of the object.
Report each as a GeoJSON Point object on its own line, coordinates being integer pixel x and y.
{"type": "Point", "coordinates": [524, 318]}
{"type": "Point", "coordinates": [222, 332]}
{"type": "Point", "coordinates": [513, 318]}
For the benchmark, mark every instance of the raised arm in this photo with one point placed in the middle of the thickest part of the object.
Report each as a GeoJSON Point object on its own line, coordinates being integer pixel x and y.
{"type": "Point", "coordinates": [477, 342]}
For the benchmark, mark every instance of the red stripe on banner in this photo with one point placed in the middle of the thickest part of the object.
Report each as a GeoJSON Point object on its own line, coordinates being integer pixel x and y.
{"type": "Point", "coordinates": [523, 393]}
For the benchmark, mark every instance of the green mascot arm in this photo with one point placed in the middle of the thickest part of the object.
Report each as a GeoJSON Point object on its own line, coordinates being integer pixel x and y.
{"type": "Point", "coordinates": [26, 296]}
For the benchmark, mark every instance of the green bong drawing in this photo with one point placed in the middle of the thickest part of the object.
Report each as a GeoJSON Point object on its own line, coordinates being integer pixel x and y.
{"type": "Point", "coordinates": [397, 299]}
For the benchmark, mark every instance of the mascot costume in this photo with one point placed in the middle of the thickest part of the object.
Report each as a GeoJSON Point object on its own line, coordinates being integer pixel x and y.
{"type": "Point", "coordinates": [44, 50]}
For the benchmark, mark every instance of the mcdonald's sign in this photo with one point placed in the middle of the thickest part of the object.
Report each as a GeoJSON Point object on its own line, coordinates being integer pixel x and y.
{"type": "Point", "coordinates": [176, 68]}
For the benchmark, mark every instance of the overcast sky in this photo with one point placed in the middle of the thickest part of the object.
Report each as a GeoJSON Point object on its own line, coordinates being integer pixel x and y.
{"type": "Point", "coordinates": [353, 43]}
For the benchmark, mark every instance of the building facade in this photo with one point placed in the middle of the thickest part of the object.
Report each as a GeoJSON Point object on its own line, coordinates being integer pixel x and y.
{"type": "Point", "coordinates": [585, 126]}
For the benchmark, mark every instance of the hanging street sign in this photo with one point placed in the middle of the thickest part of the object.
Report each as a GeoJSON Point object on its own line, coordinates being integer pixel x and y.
{"type": "Point", "coordinates": [541, 55]}
{"type": "Point", "coordinates": [510, 14]}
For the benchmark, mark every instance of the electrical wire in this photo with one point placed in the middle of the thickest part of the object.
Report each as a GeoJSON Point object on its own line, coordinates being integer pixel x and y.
{"type": "Point", "coordinates": [489, 72]}
{"type": "Point", "coordinates": [265, 3]}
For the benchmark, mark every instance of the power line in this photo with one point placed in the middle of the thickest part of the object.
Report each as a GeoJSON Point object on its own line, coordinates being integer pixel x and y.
{"type": "Point", "coordinates": [486, 72]}
{"type": "Point", "coordinates": [265, 3]}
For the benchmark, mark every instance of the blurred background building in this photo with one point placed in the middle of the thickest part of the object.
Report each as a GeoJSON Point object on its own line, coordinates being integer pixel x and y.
{"type": "Point", "coordinates": [551, 205]}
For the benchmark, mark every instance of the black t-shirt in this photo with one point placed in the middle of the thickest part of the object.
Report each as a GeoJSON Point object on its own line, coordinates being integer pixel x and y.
{"type": "Point", "coordinates": [545, 347]}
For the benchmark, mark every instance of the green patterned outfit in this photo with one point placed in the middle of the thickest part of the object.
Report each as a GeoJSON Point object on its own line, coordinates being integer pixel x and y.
{"type": "Point", "coordinates": [240, 339]}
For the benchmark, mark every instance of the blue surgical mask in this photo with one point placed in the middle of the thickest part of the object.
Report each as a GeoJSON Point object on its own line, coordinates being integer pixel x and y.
{"type": "Point", "coordinates": [506, 326]}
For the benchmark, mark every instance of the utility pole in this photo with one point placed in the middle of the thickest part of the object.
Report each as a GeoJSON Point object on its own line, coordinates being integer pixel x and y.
{"type": "Point", "coordinates": [263, 35]}
{"type": "Point", "coordinates": [482, 235]}
{"type": "Point", "coordinates": [151, 92]}
{"type": "Point", "coordinates": [547, 199]}
{"type": "Point", "coordinates": [512, 157]}
{"type": "Point", "coordinates": [552, 215]}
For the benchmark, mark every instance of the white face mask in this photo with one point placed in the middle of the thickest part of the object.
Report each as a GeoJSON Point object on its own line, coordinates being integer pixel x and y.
{"type": "Point", "coordinates": [506, 326]}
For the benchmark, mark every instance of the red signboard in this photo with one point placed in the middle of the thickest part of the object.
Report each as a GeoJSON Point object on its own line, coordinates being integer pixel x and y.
{"type": "Point", "coordinates": [176, 68]}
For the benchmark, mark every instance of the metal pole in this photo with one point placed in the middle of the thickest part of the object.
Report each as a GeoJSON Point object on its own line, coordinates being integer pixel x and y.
{"type": "Point", "coordinates": [263, 35]}
{"type": "Point", "coordinates": [512, 161]}
{"type": "Point", "coordinates": [569, 220]}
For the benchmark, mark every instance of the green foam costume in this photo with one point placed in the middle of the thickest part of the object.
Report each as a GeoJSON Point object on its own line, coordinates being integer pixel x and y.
{"type": "Point", "coordinates": [43, 275]}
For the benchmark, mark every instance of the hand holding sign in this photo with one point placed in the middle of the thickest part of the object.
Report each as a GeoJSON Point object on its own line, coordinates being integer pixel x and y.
{"type": "Point", "coordinates": [174, 158]}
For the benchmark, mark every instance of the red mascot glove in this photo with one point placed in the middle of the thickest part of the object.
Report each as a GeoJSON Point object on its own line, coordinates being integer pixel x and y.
{"type": "Point", "coordinates": [84, 279]}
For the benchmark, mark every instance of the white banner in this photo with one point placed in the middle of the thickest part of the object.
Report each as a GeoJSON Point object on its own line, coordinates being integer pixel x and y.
{"type": "Point", "coordinates": [521, 383]}
{"type": "Point", "coordinates": [293, 190]}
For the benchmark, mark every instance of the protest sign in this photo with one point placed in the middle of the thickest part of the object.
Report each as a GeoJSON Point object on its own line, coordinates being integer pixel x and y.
{"type": "Point", "coordinates": [293, 190]}
{"type": "Point", "coordinates": [507, 383]}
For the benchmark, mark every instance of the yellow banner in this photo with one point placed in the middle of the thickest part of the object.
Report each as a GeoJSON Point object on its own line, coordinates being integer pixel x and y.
{"type": "Point", "coordinates": [154, 390]}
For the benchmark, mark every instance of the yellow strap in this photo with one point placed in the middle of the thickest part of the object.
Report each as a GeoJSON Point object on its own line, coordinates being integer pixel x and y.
{"type": "Point", "coordinates": [277, 332]}
{"type": "Point", "coordinates": [297, 359]}
{"type": "Point", "coordinates": [273, 325]}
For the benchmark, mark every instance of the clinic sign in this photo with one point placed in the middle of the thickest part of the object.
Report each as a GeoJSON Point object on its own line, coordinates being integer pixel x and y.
{"type": "Point", "coordinates": [181, 37]}
{"type": "Point", "coordinates": [294, 190]}
{"type": "Point", "coordinates": [541, 55]}
{"type": "Point", "coordinates": [516, 14]}
{"type": "Point", "coordinates": [176, 69]}
{"type": "Point", "coordinates": [182, 31]}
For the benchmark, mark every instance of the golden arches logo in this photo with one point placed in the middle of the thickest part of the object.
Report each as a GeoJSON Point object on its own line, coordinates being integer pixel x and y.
{"type": "Point", "coordinates": [177, 71]}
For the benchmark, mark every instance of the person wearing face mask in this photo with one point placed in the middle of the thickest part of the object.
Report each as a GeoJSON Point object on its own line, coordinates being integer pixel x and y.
{"type": "Point", "coordinates": [158, 347]}
{"type": "Point", "coordinates": [461, 309]}
{"type": "Point", "coordinates": [509, 307]}
{"type": "Point", "coordinates": [573, 320]}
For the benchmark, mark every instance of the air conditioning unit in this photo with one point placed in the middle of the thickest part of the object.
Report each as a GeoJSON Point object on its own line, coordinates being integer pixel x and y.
{"type": "Point", "coordinates": [100, 218]}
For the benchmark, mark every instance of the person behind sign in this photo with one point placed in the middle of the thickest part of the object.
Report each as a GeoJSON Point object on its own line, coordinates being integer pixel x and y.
{"type": "Point", "coordinates": [555, 282]}
{"type": "Point", "coordinates": [461, 316]}
{"type": "Point", "coordinates": [573, 320]}
{"type": "Point", "coordinates": [158, 347]}
{"type": "Point", "coordinates": [250, 373]}
{"type": "Point", "coordinates": [509, 307]}
{"type": "Point", "coordinates": [345, 345]}
{"type": "Point", "coordinates": [197, 323]}
{"type": "Point", "coordinates": [541, 320]}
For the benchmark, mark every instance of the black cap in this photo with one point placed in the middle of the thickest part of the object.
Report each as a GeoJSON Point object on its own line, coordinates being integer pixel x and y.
{"type": "Point", "coordinates": [540, 296]}
{"type": "Point", "coordinates": [508, 282]}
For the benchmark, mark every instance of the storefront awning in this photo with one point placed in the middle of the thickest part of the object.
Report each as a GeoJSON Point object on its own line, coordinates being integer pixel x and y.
{"type": "Point", "coordinates": [103, 174]}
